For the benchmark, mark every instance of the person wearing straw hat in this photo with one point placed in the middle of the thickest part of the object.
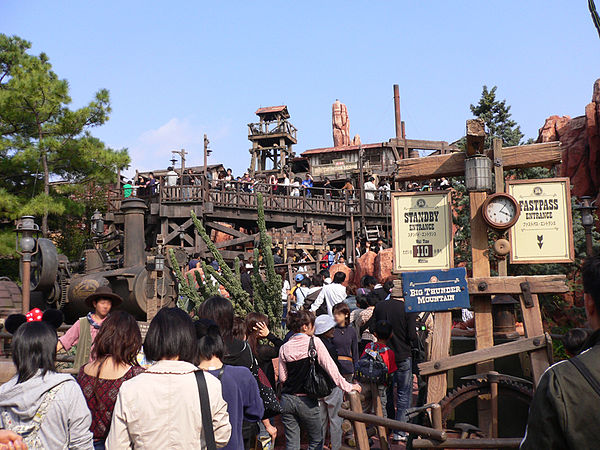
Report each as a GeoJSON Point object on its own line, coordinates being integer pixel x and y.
{"type": "Point", "coordinates": [84, 331]}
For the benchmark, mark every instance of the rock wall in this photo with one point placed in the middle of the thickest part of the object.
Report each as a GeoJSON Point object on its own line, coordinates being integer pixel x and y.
{"type": "Point", "coordinates": [580, 139]}
{"type": "Point", "coordinates": [365, 265]}
{"type": "Point", "coordinates": [384, 264]}
{"type": "Point", "coordinates": [341, 124]}
{"type": "Point", "coordinates": [343, 268]}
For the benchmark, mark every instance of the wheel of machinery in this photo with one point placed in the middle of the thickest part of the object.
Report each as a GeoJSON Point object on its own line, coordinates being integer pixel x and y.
{"type": "Point", "coordinates": [44, 266]}
{"type": "Point", "coordinates": [512, 389]}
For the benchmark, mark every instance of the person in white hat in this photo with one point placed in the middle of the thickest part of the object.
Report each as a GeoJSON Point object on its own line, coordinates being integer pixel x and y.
{"type": "Point", "coordinates": [330, 405]}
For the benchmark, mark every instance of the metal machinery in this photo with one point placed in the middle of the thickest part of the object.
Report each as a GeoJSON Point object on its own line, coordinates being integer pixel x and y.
{"type": "Point", "coordinates": [133, 275]}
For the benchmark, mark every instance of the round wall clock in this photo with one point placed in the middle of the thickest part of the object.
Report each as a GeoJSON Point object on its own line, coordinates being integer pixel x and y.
{"type": "Point", "coordinates": [501, 211]}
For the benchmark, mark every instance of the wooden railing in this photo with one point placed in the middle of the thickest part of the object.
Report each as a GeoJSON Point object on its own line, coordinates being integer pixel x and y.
{"type": "Point", "coordinates": [273, 127]}
{"type": "Point", "coordinates": [244, 195]}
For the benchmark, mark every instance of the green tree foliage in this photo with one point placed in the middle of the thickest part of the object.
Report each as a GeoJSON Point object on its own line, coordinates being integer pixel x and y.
{"type": "Point", "coordinates": [497, 116]}
{"type": "Point", "coordinates": [42, 140]}
{"type": "Point", "coordinates": [267, 290]}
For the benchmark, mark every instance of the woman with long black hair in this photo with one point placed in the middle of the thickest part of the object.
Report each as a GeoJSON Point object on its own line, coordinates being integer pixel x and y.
{"type": "Point", "coordinates": [45, 407]}
{"type": "Point", "coordinates": [114, 361]}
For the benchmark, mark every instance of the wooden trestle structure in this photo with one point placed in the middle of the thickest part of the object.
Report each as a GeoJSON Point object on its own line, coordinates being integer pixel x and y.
{"type": "Point", "coordinates": [309, 223]}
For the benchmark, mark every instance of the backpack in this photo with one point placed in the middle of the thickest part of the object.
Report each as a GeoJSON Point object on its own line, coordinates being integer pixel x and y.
{"type": "Point", "coordinates": [371, 368]}
{"type": "Point", "coordinates": [30, 431]}
{"type": "Point", "coordinates": [310, 299]}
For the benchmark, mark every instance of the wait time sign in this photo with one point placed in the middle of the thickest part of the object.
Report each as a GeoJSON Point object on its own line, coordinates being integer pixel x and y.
{"type": "Point", "coordinates": [422, 231]}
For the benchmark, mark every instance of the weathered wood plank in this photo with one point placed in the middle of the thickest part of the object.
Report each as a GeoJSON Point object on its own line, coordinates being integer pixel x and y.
{"type": "Point", "coordinates": [225, 229]}
{"type": "Point", "coordinates": [469, 358]}
{"type": "Point", "coordinates": [237, 241]}
{"type": "Point", "coordinates": [453, 164]}
{"type": "Point", "coordinates": [540, 284]}
{"type": "Point", "coordinates": [440, 347]}
{"type": "Point", "coordinates": [532, 321]}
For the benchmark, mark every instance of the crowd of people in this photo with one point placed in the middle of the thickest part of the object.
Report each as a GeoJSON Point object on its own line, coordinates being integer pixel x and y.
{"type": "Point", "coordinates": [285, 184]}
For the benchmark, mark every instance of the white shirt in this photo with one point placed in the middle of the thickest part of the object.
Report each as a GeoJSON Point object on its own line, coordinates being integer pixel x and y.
{"type": "Point", "coordinates": [332, 294]}
{"type": "Point", "coordinates": [171, 178]}
{"type": "Point", "coordinates": [284, 290]}
{"type": "Point", "coordinates": [369, 188]}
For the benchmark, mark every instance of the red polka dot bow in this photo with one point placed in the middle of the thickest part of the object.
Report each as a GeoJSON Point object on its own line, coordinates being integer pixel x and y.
{"type": "Point", "coordinates": [35, 315]}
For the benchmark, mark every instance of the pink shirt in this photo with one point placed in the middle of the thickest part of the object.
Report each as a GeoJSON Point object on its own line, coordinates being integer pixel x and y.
{"type": "Point", "coordinates": [297, 348]}
{"type": "Point", "coordinates": [71, 337]}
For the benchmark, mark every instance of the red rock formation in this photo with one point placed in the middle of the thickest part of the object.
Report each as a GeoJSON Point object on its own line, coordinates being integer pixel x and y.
{"type": "Point", "coordinates": [365, 265]}
{"type": "Point", "coordinates": [580, 138]}
{"type": "Point", "coordinates": [343, 268]}
{"type": "Point", "coordinates": [384, 264]}
{"type": "Point", "coordinates": [341, 124]}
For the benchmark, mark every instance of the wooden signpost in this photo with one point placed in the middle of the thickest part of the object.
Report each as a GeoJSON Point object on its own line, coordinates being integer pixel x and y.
{"type": "Point", "coordinates": [481, 285]}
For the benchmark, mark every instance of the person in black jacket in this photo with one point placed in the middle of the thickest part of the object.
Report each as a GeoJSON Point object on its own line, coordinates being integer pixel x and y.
{"type": "Point", "coordinates": [403, 339]}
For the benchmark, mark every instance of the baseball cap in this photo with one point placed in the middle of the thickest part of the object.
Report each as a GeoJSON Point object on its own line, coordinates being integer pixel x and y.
{"type": "Point", "coordinates": [323, 324]}
{"type": "Point", "coordinates": [299, 277]}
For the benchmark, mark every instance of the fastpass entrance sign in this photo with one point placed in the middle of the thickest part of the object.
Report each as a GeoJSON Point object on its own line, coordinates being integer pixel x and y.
{"type": "Point", "coordinates": [422, 231]}
{"type": "Point", "coordinates": [544, 231]}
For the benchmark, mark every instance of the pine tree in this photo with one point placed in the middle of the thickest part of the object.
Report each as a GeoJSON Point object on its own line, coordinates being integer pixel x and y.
{"type": "Point", "coordinates": [42, 138]}
{"type": "Point", "coordinates": [497, 117]}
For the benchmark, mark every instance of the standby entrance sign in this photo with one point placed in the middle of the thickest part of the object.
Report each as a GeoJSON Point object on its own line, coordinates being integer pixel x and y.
{"type": "Point", "coordinates": [422, 231]}
{"type": "Point", "coordinates": [544, 231]}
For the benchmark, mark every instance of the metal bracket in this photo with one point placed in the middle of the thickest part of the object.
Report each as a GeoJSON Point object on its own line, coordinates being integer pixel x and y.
{"type": "Point", "coordinates": [498, 162]}
{"type": "Point", "coordinates": [526, 292]}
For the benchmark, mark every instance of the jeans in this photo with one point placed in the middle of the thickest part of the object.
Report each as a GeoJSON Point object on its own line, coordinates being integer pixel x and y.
{"type": "Point", "coordinates": [369, 391]}
{"type": "Point", "coordinates": [301, 411]}
{"type": "Point", "coordinates": [402, 379]}
{"type": "Point", "coordinates": [330, 406]}
{"type": "Point", "coordinates": [99, 445]}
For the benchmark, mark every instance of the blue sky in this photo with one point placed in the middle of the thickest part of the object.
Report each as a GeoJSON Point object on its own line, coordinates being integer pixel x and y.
{"type": "Point", "coordinates": [179, 69]}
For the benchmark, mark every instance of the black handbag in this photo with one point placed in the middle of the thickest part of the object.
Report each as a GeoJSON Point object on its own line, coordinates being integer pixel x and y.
{"type": "Point", "coordinates": [318, 383]}
{"type": "Point", "coordinates": [266, 391]}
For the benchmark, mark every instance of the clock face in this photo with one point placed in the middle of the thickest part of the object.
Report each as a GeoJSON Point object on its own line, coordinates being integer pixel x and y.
{"type": "Point", "coordinates": [501, 211]}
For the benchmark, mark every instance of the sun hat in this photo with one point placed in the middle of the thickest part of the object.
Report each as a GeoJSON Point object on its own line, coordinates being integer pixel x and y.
{"type": "Point", "coordinates": [299, 277]}
{"type": "Point", "coordinates": [104, 293]}
{"type": "Point", "coordinates": [323, 324]}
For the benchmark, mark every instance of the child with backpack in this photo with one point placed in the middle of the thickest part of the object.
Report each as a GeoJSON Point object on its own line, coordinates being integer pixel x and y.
{"type": "Point", "coordinates": [375, 367]}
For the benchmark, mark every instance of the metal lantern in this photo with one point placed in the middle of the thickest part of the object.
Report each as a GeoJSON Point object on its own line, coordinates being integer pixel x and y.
{"type": "Point", "coordinates": [587, 220]}
{"type": "Point", "coordinates": [478, 173]}
{"type": "Point", "coordinates": [26, 247]}
{"type": "Point", "coordinates": [25, 240]}
{"type": "Point", "coordinates": [97, 223]}
{"type": "Point", "coordinates": [503, 313]}
{"type": "Point", "coordinates": [159, 263]}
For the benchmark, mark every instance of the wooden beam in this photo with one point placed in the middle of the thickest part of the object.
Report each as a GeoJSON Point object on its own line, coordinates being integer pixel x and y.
{"type": "Point", "coordinates": [484, 354]}
{"type": "Point", "coordinates": [475, 136]}
{"type": "Point", "coordinates": [225, 229]}
{"type": "Point", "coordinates": [539, 284]}
{"type": "Point", "coordinates": [468, 443]}
{"type": "Point", "coordinates": [532, 321]}
{"type": "Point", "coordinates": [532, 155]}
{"type": "Point", "coordinates": [237, 241]}
{"type": "Point", "coordinates": [336, 235]}
{"type": "Point", "coordinates": [419, 144]}
{"type": "Point", "coordinates": [482, 306]}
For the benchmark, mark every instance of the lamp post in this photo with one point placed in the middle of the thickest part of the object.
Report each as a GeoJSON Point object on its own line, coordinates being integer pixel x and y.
{"type": "Point", "coordinates": [587, 220]}
{"type": "Point", "coordinates": [97, 223]}
{"type": "Point", "coordinates": [26, 247]}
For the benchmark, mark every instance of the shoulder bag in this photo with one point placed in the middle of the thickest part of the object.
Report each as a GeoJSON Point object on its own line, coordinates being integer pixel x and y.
{"type": "Point", "coordinates": [207, 426]}
{"type": "Point", "coordinates": [318, 383]}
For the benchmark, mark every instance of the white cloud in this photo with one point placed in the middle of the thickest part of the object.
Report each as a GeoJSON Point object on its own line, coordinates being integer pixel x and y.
{"type": "Point", "coordinates": [152, 149]}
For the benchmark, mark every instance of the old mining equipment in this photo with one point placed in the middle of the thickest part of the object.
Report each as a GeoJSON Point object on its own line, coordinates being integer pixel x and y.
{"type": "Point", "coordinates": [129, 274]}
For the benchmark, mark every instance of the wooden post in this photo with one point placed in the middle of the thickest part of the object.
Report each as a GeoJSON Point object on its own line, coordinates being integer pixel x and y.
{"type": "Point", "coordinates": [440, 346]}
{"type": "Point", "coordinates": [499, 180]}
{"type": "Point", "coordinates": [532, 321]}
{"type": "Point", "coordinates": [381, 430]}
{"type": "Point", "coordinates": [360, 430]}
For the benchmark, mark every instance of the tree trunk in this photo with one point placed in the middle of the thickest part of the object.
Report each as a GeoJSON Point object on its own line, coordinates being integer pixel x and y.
{"type": "Point", "coordinates": [46, 178]}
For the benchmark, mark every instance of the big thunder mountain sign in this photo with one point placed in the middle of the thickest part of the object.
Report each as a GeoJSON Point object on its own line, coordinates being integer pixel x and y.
{"type": "Point", "coordinates": [485, 212]}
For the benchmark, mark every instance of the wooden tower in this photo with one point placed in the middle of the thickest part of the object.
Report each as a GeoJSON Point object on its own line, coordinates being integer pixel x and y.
{"type": "Point", "coordinates": [272, 139]}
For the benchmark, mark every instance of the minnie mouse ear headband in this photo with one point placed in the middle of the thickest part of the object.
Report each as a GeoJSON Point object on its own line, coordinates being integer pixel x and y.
{"type": "Point", "coordinates": [53, 317]}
